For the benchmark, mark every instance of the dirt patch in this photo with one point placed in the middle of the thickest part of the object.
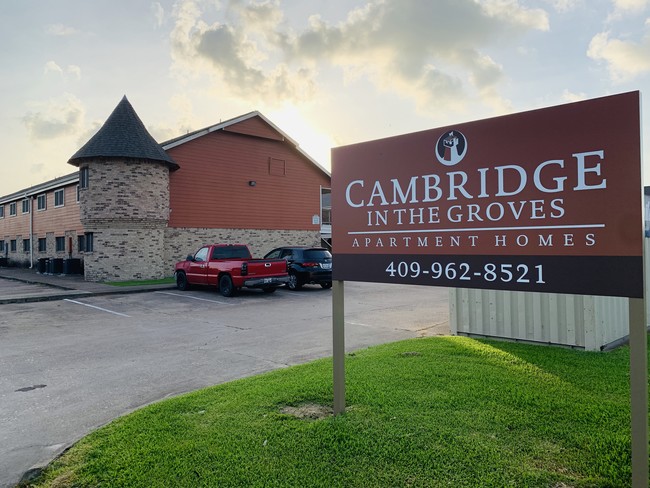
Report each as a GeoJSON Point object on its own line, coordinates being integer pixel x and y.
{"type": "Point", "coordinates": [309, 411]}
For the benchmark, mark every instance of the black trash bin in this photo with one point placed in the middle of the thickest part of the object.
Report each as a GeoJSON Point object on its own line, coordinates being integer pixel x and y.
{"type": "Point", "coordinates": [41, 266]}
{"type": "Point", "coordinates": [56, 265]}
{"type": "Point", "coordinates": [72, 266]}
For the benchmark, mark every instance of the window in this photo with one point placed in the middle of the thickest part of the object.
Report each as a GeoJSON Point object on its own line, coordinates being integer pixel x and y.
{"type": "Point", "coordinates": [60, 244]}
{"type": "Point", "coordinates": [201, 255]}
{"type": "Point", "coordinates": [2, 246]}
{"type": "Point", "coordinates": [42, 244]}
{"type": "Point", "coordinates": [78, 195]}
{"type": "Point", "coordinates": [277, 167]}
{"type": "Point", "coordinates": [41, 202]}
{"type": "Point", "coordinates": [25, 206]}
{"type": "Point", "coordinates": [12, 209]}
{"type": "Point", "coordinates": [90, 244]}
{"type": "Point", "coordinates": [83, 177]}
{"type": "Point", "coordinates": [27, 245]}
{"type": "Point", "coordinates": [13, 245]}
{"type": "Point", "coordinates": [2, 211]}
{"type": "Point", "coordinates": [58, 198]}
{"type": "Point", "coordinates": [81, 243]}
{"type": "Point", "coordinates": [326, 206]}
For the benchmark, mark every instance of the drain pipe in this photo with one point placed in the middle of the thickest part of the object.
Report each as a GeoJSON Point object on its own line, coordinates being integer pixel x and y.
{"type": "Point", "coordinates": [31, 232]}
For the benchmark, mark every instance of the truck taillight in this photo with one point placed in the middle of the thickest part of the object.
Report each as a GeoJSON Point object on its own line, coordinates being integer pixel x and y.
{"type": "Point", "coordinates": [244, 268]}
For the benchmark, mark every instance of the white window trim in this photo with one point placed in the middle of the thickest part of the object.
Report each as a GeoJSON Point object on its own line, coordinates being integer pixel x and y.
{"type": "Point", "coordinates": [38, 209]}
{"type": "Point", "coordinates": [62, 191]}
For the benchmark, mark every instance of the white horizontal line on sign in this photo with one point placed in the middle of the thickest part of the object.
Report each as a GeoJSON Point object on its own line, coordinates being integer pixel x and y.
{"type": "Point", "coordinates": [480, 229]}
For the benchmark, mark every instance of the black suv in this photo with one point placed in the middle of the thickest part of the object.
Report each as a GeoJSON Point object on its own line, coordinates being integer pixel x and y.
{"type": "Point", "coordinates": [306, 265]}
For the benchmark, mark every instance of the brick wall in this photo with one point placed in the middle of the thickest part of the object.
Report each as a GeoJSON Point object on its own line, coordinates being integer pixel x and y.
{"type": "Point", "coordinates": [128, 191]}
{"type": "Point", "coordinates": [179, 242]}
{"type": "Point", "coordinates": [126, 254]}
{"type": "Point", "coordinates": [126, 207]}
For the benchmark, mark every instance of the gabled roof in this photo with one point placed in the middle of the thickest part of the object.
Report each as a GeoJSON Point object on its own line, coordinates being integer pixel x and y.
{"type": "Point", "coordinates": [54, 184]}
{"type": "Point", "coordinates": [177, 141]}
{"type": "Point", "coordinates": [123, 135]}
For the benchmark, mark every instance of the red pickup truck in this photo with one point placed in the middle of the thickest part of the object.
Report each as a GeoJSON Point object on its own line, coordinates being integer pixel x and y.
{"type": "Point", "coordinates": [230, 267]}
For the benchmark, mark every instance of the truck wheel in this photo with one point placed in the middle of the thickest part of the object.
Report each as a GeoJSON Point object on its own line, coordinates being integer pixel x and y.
{"type": "Point", "coordinates": [226, 287]}
{"type": "Point", "coordinates": [326, 285]}
{"type": "Point", "coordinates": [294, 282]}
{"type": "Point", "coordinates": [181, 281]}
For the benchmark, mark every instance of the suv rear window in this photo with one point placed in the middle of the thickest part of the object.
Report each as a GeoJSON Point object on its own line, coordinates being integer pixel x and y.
{"type": "Point", "coordinates": [317, 254]}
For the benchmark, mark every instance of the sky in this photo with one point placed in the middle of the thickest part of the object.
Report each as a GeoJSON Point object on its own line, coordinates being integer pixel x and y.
{"type": "Point", "coordinates": [327, 73]}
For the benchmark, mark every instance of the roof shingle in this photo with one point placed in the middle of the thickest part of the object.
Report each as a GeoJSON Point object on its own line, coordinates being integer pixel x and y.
{"type": "Point", "coordinates": [123, 135]}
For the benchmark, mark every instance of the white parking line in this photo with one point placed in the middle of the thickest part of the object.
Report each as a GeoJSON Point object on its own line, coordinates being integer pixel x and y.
{"type": "Point", "coordinates": [193, 298]}
{"type": "Point", "coordinates": [97, 308]}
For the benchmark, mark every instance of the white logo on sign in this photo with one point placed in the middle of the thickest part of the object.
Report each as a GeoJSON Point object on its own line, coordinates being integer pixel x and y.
{"type": "Point", "coordinates": [451, 148]}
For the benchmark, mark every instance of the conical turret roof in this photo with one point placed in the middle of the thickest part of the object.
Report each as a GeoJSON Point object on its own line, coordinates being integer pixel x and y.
{"type": "Point", "coordinates": [123, 135]}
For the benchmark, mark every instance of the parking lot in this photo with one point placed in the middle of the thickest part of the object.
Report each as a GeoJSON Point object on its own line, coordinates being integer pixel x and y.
{"type": "Point", "coordinates": [72, 365]}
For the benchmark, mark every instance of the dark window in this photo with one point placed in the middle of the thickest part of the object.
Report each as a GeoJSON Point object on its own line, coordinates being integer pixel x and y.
{"type": "Point", "coordinates": [78, 196]}
{"type": "Point", "coordinates": [25, 206]}
{"type": "Point", "coordinates": [2, 211]}
{"type": "Point", "coordinates": [12, 209]}
{"type": "Point", "coordinates": [316, 254]}
{"type": "Point", "coordinates": [58, 198]}
{"type": "Point", "coordinates": [13, 245]}
{"type": "Point", "coordinates": [41, 202]}
{"type": "Point", "coordinates": [90, 242]}
{"type": "Point", "coordinates": [81, 243]}
{"type": "Point", "coordinates": [60, 244]}
{"type": "Point", "coordinates": [83, 177]}
{"type": "Point", "coordinates": [231, 252]}
{"type": "Point", "coordinates": [42, 244]}
{"type": "Point", "coordinates": [27, 245]}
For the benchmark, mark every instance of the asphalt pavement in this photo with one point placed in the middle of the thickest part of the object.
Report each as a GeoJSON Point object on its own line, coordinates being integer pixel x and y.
{"type": "Point", "coordinates": [27, 285]}
{"type": "Point", "coordinates": [85, 353]}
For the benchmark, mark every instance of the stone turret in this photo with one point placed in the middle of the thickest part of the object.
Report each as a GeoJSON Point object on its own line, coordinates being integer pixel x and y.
{"type": "Point", "coordinates": [124, 199]}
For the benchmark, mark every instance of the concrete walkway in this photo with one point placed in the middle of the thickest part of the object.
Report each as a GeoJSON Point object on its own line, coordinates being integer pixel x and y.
{"type": "Point", "coordinates": [20, 285]}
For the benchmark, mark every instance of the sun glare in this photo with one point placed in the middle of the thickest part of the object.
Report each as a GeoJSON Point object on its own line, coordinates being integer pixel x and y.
{"type": "Point", "coordinates": [315, 143]}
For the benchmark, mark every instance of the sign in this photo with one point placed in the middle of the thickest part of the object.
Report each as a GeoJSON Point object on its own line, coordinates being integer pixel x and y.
{"type": "Point", "coordinates": [547, 200]}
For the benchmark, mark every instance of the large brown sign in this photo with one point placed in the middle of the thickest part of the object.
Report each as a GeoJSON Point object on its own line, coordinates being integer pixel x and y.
{"type": "Point", "coordinates": [547, 200]}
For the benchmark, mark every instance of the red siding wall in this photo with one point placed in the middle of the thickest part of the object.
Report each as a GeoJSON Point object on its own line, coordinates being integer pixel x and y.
{"type": "Point", "coordinates": [211, 187]}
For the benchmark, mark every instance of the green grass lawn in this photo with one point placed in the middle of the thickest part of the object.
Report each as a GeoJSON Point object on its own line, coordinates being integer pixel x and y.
{"type": "Point", "coordinates": [443, 411]}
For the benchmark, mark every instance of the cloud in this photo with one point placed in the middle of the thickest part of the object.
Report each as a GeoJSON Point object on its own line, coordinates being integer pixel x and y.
{"type": "Point", "coordinates": [236, 53]}
{"type": "Point", "coordinates": [158, 13]}
{"type": "Point", "coordinates": [55, 118]}
{"type": "Point", "coordinates": [563, 6]}
{"type": "Point", "coordinates": [625, 59]}
{"type": "Point", "coordinates": [72, 70]}
{"type": "Point", "coordinates": [52, 67]}
{"type": "Point", "coordinates": [631, 5]}
{"type": "Point", "coordinates": [60, 30]}
{"type": "Point", "coordinates": [425, 50]}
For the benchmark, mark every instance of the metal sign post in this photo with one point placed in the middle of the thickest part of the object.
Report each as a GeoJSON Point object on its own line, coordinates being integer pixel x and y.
{"type": "Point", "coordinates": [338, 329]}
{"type": "Point", "coordinates": [639, 392]}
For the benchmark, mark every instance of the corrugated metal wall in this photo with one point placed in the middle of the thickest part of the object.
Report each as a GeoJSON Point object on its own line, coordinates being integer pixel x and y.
{"type": "Point", "coordinates": [588, 322]}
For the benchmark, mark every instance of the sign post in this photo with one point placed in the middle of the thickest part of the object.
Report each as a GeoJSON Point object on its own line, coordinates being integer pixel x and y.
{"type": "Point", "coordinates": [544, 201]}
